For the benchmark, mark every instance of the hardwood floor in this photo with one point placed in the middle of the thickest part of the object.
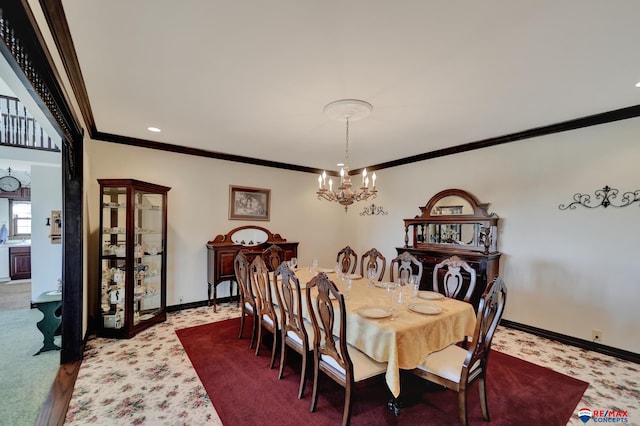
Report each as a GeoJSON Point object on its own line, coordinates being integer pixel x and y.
{"type": "Point", "coordinates": [55, 406]}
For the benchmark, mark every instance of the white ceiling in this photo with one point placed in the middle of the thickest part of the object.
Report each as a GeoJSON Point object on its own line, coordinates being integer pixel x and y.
{"type": "Point", "coordinates": [251, 77]}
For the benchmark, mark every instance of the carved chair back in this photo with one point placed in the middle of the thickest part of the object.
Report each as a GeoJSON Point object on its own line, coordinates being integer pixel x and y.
{"type": "Point", "coordinates": [292, 326]}
{"type": "Point", "coordinates": [373, 259]}
{"type": "Point", "coordinates": [453, 283]}
{"type": "Point", "coordinates": [348, 259]}
{"type": "Point", "coordinates": [267, 314]}
{"type": "Point", "coordinates": [273, 257]}
{"type": "Point", "coordinates": [329, 347]}
{"type": "Point", "coordinates": [404, 265]}
{"type": "Point", "coordinates": [241, 266]}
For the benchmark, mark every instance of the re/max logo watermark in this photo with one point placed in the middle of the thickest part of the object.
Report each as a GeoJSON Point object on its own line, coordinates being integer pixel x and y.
{"type": "Point", "coordinates": [603, 416]}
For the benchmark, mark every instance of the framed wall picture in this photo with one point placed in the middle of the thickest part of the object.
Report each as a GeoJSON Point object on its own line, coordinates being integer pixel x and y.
{"type": "Point", "coordinates": [249, 203]}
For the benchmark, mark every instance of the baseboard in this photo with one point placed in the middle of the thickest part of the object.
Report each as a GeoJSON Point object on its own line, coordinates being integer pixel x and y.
{"type": "Point", "coordinates": [573, 341]}
{"type": "Point", "coordinates": [176, 308]}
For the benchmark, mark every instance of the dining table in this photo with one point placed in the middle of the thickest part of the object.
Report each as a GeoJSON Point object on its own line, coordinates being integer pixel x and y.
{"type": "Point", "coordinates": [401, 335]}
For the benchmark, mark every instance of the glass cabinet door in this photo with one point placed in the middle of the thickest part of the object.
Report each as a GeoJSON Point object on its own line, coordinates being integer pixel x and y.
{"type": "Point", "coordinates": [113, 255]}
{"type": "Point", "coordinates": [148, 250]}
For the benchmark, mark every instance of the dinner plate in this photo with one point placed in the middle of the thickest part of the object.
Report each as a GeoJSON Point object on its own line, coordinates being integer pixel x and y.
{"type": "Point", "coordinates": [381, 284]}
{"type": "Point", "coordinates": [423, 308]}
{"type": "Point", "coordinates": [354, 276]}
{"type": "Point", "coordinates": [430, 295]}
{"type": "Point", "coordinates": [374, 312]}
{"type": "Point", "coordinates": [326, 270]}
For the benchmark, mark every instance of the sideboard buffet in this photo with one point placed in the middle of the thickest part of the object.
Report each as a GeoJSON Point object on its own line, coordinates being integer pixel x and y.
{"type": "Point", "coordinates": [222, 250]}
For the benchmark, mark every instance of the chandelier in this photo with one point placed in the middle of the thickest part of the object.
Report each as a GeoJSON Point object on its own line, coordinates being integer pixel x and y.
{"type": "Point", "coordinates": [345, 194]}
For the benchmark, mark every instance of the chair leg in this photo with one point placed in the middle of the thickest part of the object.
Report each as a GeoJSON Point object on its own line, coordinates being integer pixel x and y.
{"type": "Point", "coordinates": [346, 416]}
{"type": "Point", "coordinates": [462, 407]}
{"type": "Point", "coordinates": [259, 339]}
{"type": "Point", "coordinates": [274, 348]}
{"type": "Point", "coordinates": [303, 373]}
{"type": "Point", "coordinates": [314, 393]}
{"type": "Point", "coordinates": [254, 328]}
{"type": "Point", "coordinates": [483, 398]}
{"type": "Point", "coordinates": [242, 315]}
{"type": "Point", "coordinates": [283, 354]}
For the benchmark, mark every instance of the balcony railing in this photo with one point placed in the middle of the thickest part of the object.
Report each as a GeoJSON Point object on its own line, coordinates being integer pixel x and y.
{"type": "Point", "coordinates": [19, 129]}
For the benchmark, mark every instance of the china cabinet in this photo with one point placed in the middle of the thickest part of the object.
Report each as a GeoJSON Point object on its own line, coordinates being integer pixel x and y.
{"type": "Point", "coordinates": [454, 222]}
{"type": "Point", "coordinates": [133, 256]}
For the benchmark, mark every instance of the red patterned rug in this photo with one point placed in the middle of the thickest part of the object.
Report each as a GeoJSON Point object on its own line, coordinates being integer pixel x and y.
{"type": "Point", "coordinates": [246, 392]}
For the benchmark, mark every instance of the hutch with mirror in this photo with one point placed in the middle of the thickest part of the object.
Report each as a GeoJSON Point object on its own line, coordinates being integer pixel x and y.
{"type": "Point", "coordinates": [454, 222]}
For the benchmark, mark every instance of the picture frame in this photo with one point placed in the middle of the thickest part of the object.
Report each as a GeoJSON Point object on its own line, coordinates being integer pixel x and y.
{"type": "Point", "coordinates": [247, 203]}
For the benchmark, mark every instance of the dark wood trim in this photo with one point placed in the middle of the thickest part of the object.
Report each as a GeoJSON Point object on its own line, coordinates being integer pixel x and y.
{"type": "Point", "coordinates": [56, 19]}
{"type": "Point", "coordinates": [56, 405]}
{"type": "Point", "coordinates": [590, 120]}
{"type": "Point", "coordinates": [574, 341]}
{"type": "Point", "coordinates": [143, 143]}
{"type": "Point", "coordinates": [23, 46]}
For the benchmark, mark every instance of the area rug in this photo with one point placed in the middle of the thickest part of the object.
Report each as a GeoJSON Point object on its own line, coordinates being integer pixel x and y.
{"type": "Point", "coordinates": [245, 391]}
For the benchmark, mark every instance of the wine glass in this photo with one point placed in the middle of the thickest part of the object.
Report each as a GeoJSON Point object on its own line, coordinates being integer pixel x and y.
{"type": "Point", "coordinates": [372, 275]}
{"type": "Point", "coordinates": [393, 289]}
{"type": "Point", "coordinates": [415, 286]}
{"type": "Point", "coordinates": [348, 284]}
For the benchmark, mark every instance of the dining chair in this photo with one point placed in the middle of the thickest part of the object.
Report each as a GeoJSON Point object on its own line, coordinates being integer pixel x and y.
{"type": "Point", "coordinates": [294, 329]}
{"type": "Point", "coordinates": [343, 363]}
{"type": "Point", "coordinates": [404, 265]}
{"type": "Point", "coordinates": [247, 297]}
{"type": "Point", "coordinates": [453, 283]}
{"type": "Point", "coordinates": [373, 259]}
{"type": "Point", "coordinates": [273, 256]}
{"type": "Point", "coordinates": [347, 257]}
{"type": "Point", "coordinates": [455, 367]}
{"type": "Point", "coordinates": [267, 312]}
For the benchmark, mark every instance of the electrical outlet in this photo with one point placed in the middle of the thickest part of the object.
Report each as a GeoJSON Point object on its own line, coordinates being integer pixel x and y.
{"type": "Point", "coordinates": [596, 335]}
{"type": "Point", "coordinates": [181, 299]}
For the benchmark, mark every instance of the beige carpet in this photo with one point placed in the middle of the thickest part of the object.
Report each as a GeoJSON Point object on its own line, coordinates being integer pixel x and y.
{"type": "Point", "coordinates": [15, 296]}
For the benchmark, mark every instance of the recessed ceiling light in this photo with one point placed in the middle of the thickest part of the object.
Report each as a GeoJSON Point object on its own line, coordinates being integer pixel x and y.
{"type": "Point", "coordinates": [154, 129]}
{"type": "Point", "coordinates": [638, 84]}
{"type": "Point", "coordinates": [340, 164]}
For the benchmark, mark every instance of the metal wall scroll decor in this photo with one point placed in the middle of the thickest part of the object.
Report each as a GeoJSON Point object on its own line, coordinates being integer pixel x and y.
{"type": "Point", "coordinates": [605, 197]}
{"type": "Point", "coordinates": [373, 210]}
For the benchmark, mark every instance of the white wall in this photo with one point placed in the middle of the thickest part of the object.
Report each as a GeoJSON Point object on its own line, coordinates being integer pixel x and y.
{"type": "Point", "coordinates": [46, 258]}
{"type": "Point", "coordinates": [198, 210]}
{"type": "Point", "coordinates": [567, 271]}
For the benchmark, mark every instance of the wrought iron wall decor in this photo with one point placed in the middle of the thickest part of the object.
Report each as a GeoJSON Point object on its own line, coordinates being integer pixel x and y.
{"type": "Point", "coordinates": [606, 196]}
{"type": "Point", "coordinates": [373, 210]}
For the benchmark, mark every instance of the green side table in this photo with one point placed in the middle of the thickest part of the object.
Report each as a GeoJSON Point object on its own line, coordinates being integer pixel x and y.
{"type": "Point", "coordinates": [48, 303]}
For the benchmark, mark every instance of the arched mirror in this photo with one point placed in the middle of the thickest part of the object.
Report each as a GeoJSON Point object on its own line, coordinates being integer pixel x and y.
{"type": "Point", "coordinates": [249, 236]}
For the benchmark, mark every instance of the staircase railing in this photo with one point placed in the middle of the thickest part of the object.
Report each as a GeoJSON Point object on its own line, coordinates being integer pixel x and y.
{"type": "Point", "coordinates": [18, 128]}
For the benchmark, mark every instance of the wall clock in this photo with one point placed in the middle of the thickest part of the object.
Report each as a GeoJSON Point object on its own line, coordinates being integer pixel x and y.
{"type": "Point", "coordinates": [9, 183]}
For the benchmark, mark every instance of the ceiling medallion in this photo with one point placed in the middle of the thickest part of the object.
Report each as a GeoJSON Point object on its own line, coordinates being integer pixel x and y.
{"type": "Point", "coordinates": [347, 110]}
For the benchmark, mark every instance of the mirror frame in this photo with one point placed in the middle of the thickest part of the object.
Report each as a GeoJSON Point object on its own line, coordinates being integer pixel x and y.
{"type": "Point", "coordinates": [227, 239]}
{"type": "Point", "coordinates": [480, 217]}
